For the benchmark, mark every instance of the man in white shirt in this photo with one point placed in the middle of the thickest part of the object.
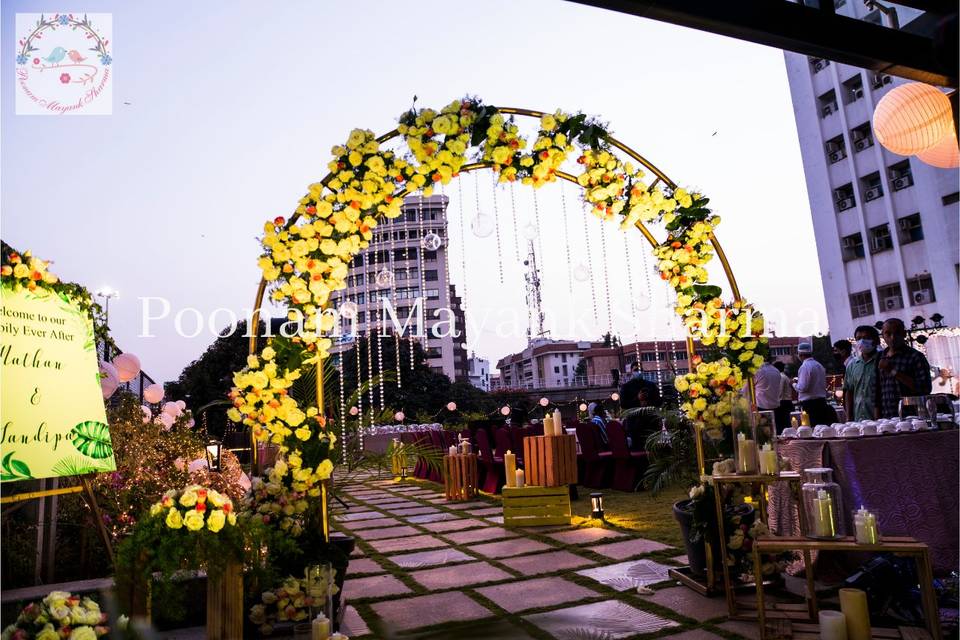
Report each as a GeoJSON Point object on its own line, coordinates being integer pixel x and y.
{"type": "Point", "coordinates": [786, 398]}
{"type": "Point", "coordinates": [812, 387]}
{"type": "Point", "coordinates": [766, 384]}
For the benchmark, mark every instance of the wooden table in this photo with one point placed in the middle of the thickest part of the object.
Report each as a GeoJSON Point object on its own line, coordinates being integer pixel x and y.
{"type": "Point", "coordinates": [460, 476]}
{"type": "Point", "coordinates": [897, 545]}
{"type": "Point", "coordinates": [550, 461]}
{"type": "Point", "coordinates": [536, 506]}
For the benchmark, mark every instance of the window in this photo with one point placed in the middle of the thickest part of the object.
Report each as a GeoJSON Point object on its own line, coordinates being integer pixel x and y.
{"type": "Point", "coordinates": [852, 89]}
{"type": "Point", "coordinates": [862, 137]}
{"type": "Point", "coordinates": [901, 176]}
{"type": "Point", "coordinates": [950, 199]}
{"type": "Point", "coordinates": [890, 297]}
{"type": "Point", "coordinates": [651, 356]}
{"type": "Point", "coordinates": [563, 357]}
{"type": "Point", "coordinates": [911, 230]}
{"type": "Point", "coordinates": [556, 369]}
{"type": "Point", "coordinates": [861, 304]}
{"type": "Point", "coordinates": [430, 275]}
{"type": "Point", "coordinates": [880, 239]}
{"type": "Point", "coordinates": [429, 255]}
{"type": "Point", "coordinates": [409, 253]}
{"type": "Point", "coordinates": [434, 352]}
{"type": "Point", "coordinates": [920, 289]}
{"type": "Point", "coordinates": [565, 370]}
{"type": "Point", "coordinates": [843, 197]}
{"type": "Point", "coordinates": [828, 103]}
{"type": "Point", "coordinates": [852, 247]}
{"type": "Point", "coordinates": [836, 149]}
{"type": "Point", "coordinates": [818, 64]}
{"type": "Point", "coordinates": [781, 351]}
{"type": "Point", "coordinates": [433, 294]}
{"type": "Point", "coordinates": [872, 188]}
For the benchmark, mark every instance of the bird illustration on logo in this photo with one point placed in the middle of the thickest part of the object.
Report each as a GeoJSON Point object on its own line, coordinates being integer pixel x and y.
{"type": "Point", "coordinates": [75, 56]}
{"type": "Point", "coordinates": [56, 55]}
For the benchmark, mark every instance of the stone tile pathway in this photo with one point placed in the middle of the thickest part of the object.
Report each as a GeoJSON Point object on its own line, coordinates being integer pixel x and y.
{"type": "Point", "coordinates": [428, 568]}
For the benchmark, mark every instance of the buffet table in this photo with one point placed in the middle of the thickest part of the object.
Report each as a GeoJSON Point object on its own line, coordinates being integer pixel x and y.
{"type": "Point", "coordinates": [909, 479]}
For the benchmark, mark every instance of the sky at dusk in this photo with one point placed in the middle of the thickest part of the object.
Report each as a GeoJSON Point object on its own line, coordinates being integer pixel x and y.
{"type": "Point", "coordinates": [233, 108]}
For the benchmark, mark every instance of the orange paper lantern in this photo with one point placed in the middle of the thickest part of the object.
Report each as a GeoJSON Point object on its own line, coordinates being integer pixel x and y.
{"type": "Point", "coordinates": [945, 154]}
{"type": "Point", "coordinates": [912, 118]}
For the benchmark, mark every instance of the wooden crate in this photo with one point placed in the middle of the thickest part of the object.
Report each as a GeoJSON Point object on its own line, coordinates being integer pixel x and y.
{"type": "Point", "coordinates": [783, 629]}
{"type": "Point", "coordinates": [535, 506]}
{"type": "Point", "coordinates": [460, 476]}
{"type": "Point", "coordinates": [550, 461]}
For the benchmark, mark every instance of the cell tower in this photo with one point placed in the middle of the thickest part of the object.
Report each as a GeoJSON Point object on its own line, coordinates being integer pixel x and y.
{"type": "Point", "coordinates": [534, 303]}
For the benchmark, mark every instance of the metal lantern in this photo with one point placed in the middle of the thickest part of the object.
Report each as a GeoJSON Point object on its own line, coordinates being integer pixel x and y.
{"type": "Point", "coordinates": [596, 502]}
{"type": "Point", "coordinates": [214, 450]}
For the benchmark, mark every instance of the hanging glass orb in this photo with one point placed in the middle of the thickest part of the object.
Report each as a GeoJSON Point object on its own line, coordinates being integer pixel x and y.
{"type": "Point", "coordinates": [581, 273]}
{"type": "Point", "coordinates": [531, 231]}
{"type": "Point", "coordinates": [348, 310]}
{"type": "Point", "coordinates": [385, 278]}
{"type": "Point", "coordinates": [431, 242]}
{"type": "Point", "coordinates": [482, 225]}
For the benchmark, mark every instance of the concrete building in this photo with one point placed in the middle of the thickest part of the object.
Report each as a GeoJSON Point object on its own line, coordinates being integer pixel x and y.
{"type": "Point", "coordinates": [545, 363]}
{"type": "Point", "coordinates": [478, 372]}
{"type": "Point", "coordinates": [886, 226]}
{"type": "Point", "coordinates": [402, 266]}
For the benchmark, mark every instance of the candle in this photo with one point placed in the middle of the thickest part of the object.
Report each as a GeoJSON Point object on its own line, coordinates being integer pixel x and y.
{"type": "Point", "coordinates": [518, 477]}
{"type": "Point", "coordinates": [853, 603]}
{"type": "Point", "coordinates": [793, 422]}
{"type": "Point", "coordinates": [557, 423]}
{"type": "Point", "coordinates": [823, 525]}
{"type": "Point", "coordinates": [453, 450]}
{"type": "Point", "coordinates": [747, 454]}
{"type": "Point", "coordinates": [510, 462]}
{"type": "Point", "coordinates": [768, 460]}
{"type": "Point", "coordinates": [865, 524]}
{"type": "Point", "coordinates": [804, 419]}
{"type": "Point", "coordinates": [833, 626]}
{"type": "Point", "coordinates": [320, 628]}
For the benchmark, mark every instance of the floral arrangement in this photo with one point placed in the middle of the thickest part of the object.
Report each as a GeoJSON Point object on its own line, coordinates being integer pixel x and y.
{"type": "Point", "coordinates": [195, 508]}
{"type": "Point", "coordinates": [60, 615]}
{"type": "Point", "coordinates": [293, 600]}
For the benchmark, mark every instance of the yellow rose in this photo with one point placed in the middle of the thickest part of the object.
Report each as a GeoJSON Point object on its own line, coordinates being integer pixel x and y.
{"type": "Point", "coordinates": [156, 508]}
{"type": "Point", "coordinates": [303, 433]}
{"type": "Point", "coordinates": [231, 518]}
{"type": "Point", "coordinates": [215, 520]}
{"type": "Point", "coordinates": [252, 362]}
{"type": "Point", "coordinates": [268, 353]}
{"type": "Point", "coordinates": [48, 633]}
{"type": "Point", "coordinates": [324, 469]}
{"type": "Point", "coordinates": [174, 521]}
{"type": "Point", "coordinates": [193, 520]}
{"type": "Point", "coordinates": [189, 498]}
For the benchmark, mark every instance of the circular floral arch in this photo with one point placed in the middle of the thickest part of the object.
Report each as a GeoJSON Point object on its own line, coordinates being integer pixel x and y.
{"type": "Point", "coordinates": [306, 257]}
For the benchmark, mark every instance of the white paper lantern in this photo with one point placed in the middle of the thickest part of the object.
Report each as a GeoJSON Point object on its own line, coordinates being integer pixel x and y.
{"type": "Point", "coordinates": [354, 411]}
{"type": "Point", "coordinates": [181, 404]}
{"type": "Point", "coordinates": [614, 396]}
{"type": "Point", "coordinates": [505, 411]}
{"type": "Point", "coordinates": [172, 409]}
{"type": "Point", "coordinates": [451, 406]}
{"type": "Point", "coordinates": [166, 420]}
{"type": "Point", "coordinates": [108, 379]}
{"type": "Point", "coordinates": [128, 366]}
{"type": "Point", "coordinates": [912, 118]}
{"type": "Point", "coordinates": [398, 416]}
{"type": "Point", "coordinates": [945, 154]}
{"type": "Point", "coordinates": [153, 394]}
{"type": "Point", "coordinates": [583, 407]}
{"type": "Point", "coordinates": [147, 414]}
{"type": "Point", "coordinates": [544, 402]}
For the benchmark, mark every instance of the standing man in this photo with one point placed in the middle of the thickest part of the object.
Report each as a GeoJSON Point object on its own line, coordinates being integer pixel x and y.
{"type": "Point", "coordinates": [904, 371]}
{"type": "Point", "coordinates": [766, 384]}
{"type": "Point", "coordinates": [860, 380]}
{"type": "Point", "coordinates": [843, 352]}
{"type": "Point", "coordinates": [812, 387]}
{"type": "Point", "coordinates": [786, 399]}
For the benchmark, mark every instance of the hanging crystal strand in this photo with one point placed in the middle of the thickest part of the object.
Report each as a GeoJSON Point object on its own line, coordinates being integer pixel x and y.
{"type": "Point", "coordinates": [593, 281]}
{"type": "Point", "coordinates": [516, 225]}
{"type": "Point", "coordinates": [536, 220]}
{"type": "Point", "coordinates": [566, 236]}
{"type": "Point", "coordinates": [356, 348]}
{"type": "Point", "coordinates": [393, 294]}
{"type": "Point", "coordinates": [656, 343]}
{"type": "Point", "coordinates": [606, 276]}
{"type": "Point", "coordinates": [673, 342]}
{"type": "Point", "coordinates": [463, 247]}
{"type": "Point", "coordinates": [423, 277]}
{"type": "Point", "coordinates": [445, 246]}
{"type": "Point", "coordinates": [496, 224]}
{"type": "Point", "coordinates": [634, 311]}
{"type": "Point", "coordinates": [343, 407]}
{"type": "Point", "coordinates": [406, 262]}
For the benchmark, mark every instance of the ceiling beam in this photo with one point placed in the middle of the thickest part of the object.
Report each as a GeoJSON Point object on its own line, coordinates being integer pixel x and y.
{"type": "Point", "coordinates": [807, 30]}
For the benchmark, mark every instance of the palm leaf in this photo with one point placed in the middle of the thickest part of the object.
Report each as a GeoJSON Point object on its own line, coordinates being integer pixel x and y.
{"type": "Point", "coordinates": [92, 439]}
{"type": "Point", "coordinates": [76, 466]}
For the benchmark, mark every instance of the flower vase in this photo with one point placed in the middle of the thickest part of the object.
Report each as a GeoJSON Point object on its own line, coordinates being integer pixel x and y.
{"type": "Point", "coordinates": [225, 612]}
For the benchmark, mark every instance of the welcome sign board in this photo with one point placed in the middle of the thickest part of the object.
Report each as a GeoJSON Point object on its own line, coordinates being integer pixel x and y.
{"type": "Point", "coordinates": [52, 415]}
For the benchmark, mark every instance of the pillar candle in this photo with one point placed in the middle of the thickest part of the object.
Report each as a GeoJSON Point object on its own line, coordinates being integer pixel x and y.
{"type": "Point", "coordinates": [510, 462]}
{"type": "Point", "coordinates": [768, 461]}
{"type": "Point", "coordinates": [453, 450]}
{"type": "Point", "coordinates": [320, 628]}
{"type": "Point", "coordinates": [865, 526]}
{"type": "Point", "coordinates": [823, 524]}
{"type": "Point", "coordinates": [793, 422]}
{"type": "Point", "coordinates": [557, 423]}
{"type": "Point", "coordinates": [747, 454]}
{"type": "Point", "coordinates": [853, 603]}
{"type": "Point", "coordinates": [833, 626]}
{"type": "Point", "coordinates": [519, 477]}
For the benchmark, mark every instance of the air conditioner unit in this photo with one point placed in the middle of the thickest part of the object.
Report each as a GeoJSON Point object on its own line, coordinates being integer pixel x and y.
{"type": "Point", "coordinates": [858, 93]}
{"type": "Point", "coordinates": [902, 182]}
{"type": "Point", "coordinates": [837, 156]}
{"type": "Point", "coordinates": [845, 203]}
{"type": "Point", "coordinates": [873, 194]}
{"type": "Point", "coordinates": [827, 110]}
{"type": "Point", "coordinates": [924, 296]}
{"type": "Point", "coordinates": [850, 243]}
{"type": "Point", "coordinates": [818, 66]}
{"type": "Point", "coordinates": [887, 79]}
{"type": "Point", "coordinates": [892, 302]}
{"type": "Point", "coordinates": [863, 143]}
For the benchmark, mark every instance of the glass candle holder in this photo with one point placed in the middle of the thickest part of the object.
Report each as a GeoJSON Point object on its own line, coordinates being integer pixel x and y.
{"type": "Point", "coordinates": [765, 435]}
{"type": "Point", "coordinates": [865, 529]}
{"type": "Point", "coordinates": [744, 440]}
{"type": "Point", "coordinates": [822, 504]}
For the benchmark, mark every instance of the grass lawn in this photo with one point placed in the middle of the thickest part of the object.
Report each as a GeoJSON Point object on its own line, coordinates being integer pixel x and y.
{"type": "Point", "coordinates": [651, 517]}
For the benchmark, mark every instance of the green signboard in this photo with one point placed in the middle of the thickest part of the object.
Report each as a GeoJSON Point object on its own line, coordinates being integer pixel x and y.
{"type": "Point", "coordinates": [52, 414]}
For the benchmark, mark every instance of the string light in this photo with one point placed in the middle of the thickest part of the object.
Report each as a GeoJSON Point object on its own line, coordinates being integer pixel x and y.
{"type": "Point", "coordinates": [606, 281]}
{"type": "Point", "coordinates": [566, 236]}
{"type": "Point", "coordinates": [593, 284]}
{"type": "Point", "coordinates": [634, 311]}
{"type": "Point", "coordinates": [656, 343]}
{"type": "Point", "coordinates": [496, 224]}
{"type": "Point", "coordinates": [393, 293]}
{"type": "Point", "coordinates": [516, 224]}
{"type": "Point", "coordinates": [463, 247]}
{"type": "Point", "coordinates": [343, 407]}
{"type": "Point", "coordinates": [423, 277]}
{"type": "Point", "coordinates": [536, 217]}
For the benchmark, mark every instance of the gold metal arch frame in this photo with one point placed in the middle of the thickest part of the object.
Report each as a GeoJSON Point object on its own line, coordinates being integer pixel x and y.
{"type": "Point", "coordinates": [660, 177]}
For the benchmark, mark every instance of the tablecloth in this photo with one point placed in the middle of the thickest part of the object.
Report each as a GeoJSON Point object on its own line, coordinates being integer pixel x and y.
{"type": "Point", "coordinates": [909, 479]}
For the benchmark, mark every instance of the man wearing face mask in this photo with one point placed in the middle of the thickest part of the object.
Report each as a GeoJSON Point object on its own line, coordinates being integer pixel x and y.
{"type": "Point", "coordinates": [904, 371]}
{"type": "Point", "coordinates": [860, 380]}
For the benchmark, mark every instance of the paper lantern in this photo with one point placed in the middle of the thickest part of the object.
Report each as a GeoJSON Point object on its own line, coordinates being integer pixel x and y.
{"type": "Point", "coordinates": [182, 405]}
{"type": "Point", "coordinates": [147, 414]}
{"type": "Point", "coordinates": [153, 393]}
{"type": "Point", "coordinates": [451, 406]}
{"type": "Point", "coordinates": [945, 154]}
{"type": "Point", "coordinates": [128, 366]}
{"type": "Point", "coordinates": [108, 379]}
{"type": "Point", "coordinates": [912, 118]}
{"type": "Point", "coordinates": [354, 411]}
{"type": "Point", "coordinates": [544, 402]}
{"type": "Point", "coordinates": [166, 420]}
{"type": "Point", "coordinates": [399, 416]}
{"type": "Point", "coordinates": [172, 409]}
{"type": "Point", "coordinates": [505, 411]}
{"type": "Point", "coordinates": [615, 396]}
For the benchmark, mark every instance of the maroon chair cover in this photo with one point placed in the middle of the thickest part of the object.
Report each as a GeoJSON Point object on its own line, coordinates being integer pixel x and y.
{"type": "Point", "coordinates": [516, 441]}
{"type": "Point", "coordinates": [596, 464]}
{"type": "Point", "coordinates": [436, 443]}
{"type": "Point", "coordinates": [503, 442]}
{"type": "Point", "coordinates": [494, 471]}
{"type": "Point", "coordinates": [420, 440]}
{"type": "Point", "coordinates": [449, 439]}
{"type": "Point", "coordinates": [628, 466]}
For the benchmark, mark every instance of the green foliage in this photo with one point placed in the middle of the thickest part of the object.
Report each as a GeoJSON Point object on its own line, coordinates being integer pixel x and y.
{"type": "Point", "coordinates": [11, 469]}
{"type": "Point", "coordinates": [92, 439]}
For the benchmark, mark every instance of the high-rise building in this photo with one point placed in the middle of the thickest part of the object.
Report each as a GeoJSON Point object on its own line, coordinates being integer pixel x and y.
{"type": "Point", "coordinates": [479, 372]}
{"type": "Point", "coordinates": [886, 226]}
{"type": "Point", "coordinates": [406, 262]}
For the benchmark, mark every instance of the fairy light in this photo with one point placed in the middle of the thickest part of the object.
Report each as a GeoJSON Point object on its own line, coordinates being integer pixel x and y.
{"type": "Point", "coordinates": [516, 225]}
{"type": "Point", "coordinates": [444, 247]}
{"type": "Point", "coordinates": [606, 280]}
{"type": "Point", "coordinates": [656, 343]}
{"type": "Point", "coordinates": [359, 395]}
{"type": "Point", "coordinates": [496, 224]}
{"type": "Point", "coordinates": [536, 218]}
{"type": "Point", "coordinates": [423, 276]}
{"type": "Point", "coordinates": [593, 283]}
{"type": "Point", "coordinates": [343, 407]}
{"type": "Point", "coordinates": [635, 312]}
{"type": "Point", "coordinates": [566, 236]}
{"type": "Point", "coordinates": [375, 308]}
{"type": "Point", "coordinates": [463, 246]}
{"type": "Point", "coordinates": [392, 233]}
